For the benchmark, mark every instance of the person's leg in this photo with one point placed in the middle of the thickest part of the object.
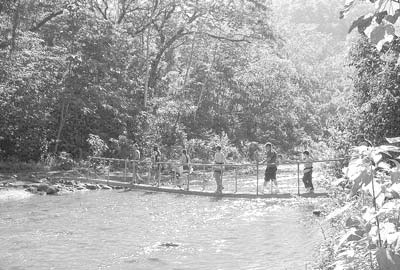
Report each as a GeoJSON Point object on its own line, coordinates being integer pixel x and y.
{"type": "Point", "coordinates": [216, 176]}
{"type": "Point", "coordinates": [267, 179]}
{"type": "Point", "coordinates": [310, 183]}
{"type": "Point", "coordinates": [219, 182]}
{"type": "Point", "coordinates": [274, 179]}
{"type": "Point", "coordinates": [305, 181]}
{"type": "Point", "coordinates": [220, 187]}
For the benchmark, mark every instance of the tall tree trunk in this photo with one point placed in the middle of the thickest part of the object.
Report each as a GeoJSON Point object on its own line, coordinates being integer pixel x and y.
{"type": "Point", "coordinates": [203, 85]}
{"type": "Point", "coordinates": [190, 62]}
{"type": "Point", "coordinates": [64, 112]}
{"type": "Point", "coordinates": [15, 24]}
{"type": "Point", "coordinates": [146, 86]}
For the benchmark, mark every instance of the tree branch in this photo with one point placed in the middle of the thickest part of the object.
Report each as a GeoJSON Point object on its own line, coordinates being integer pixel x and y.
{"type": "Point", "coordinates": [226, 38]}
{"type": "Point", "coordinates": [45, 20]}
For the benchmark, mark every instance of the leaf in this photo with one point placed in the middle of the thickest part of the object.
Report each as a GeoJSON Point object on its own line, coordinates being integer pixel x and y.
{"type": "Point", "coordinates": [362, 23]}
{"type": "Point", "coordinates": [384, 165]}
{"type": "Point", "coordinates": [360, 179]}
{"type": "Point", "coordinates": [338, 211]}
{"type": "Point", "coordinates": [388, 208]}
{"type": "Point", "coordinates": [394, 139]}
{"type": "Point", "coordinates": [377, 34]}
{"type": "Point", "coordinates": [349, 236]}
{"type": "Point", "coordinates": [387, 260]}
{"type": "Point", "coordinates": [347, 6]}
{"type": "Point", "coordinates": [376, 157]}
{"type": "Point", "coordinates": [380, 16]}
{"type": "Point", "coordinates": [352, 222]}
{"type": "Point", "coordinates": [386, 148]}
{"type": "Point", "coordinates": [369, 214]}
{"type": "Point", "coordinates": [395, 177]}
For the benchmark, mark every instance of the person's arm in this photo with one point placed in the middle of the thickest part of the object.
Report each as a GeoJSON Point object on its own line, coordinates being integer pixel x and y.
{"type": "Point", "coordinates": [309, 168]}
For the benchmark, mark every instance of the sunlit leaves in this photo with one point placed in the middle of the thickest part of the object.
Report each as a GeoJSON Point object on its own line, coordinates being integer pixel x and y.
{"type": "Point", "coordinates": [347, 6]}
{"type": "Point", "coordinates": [379, 26]}
{"type": "Point", "coordinates": [387, 259]}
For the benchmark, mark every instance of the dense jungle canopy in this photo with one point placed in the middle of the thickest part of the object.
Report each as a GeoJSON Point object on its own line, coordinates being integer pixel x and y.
{"type": "Point", "coordinates": [89, 76]}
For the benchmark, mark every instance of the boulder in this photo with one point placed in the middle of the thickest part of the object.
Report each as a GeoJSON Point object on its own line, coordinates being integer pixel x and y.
{"type": "Point", "coordinates": [316, 212]}
{"type": "Point", "coordinates": [80, 187]}
{"type": "Point", "coordinates": [69, 183]}
{"type": "Point", "coordinates": [91, 186]}
{"type": "Point", "coordinates": [42, 187]}
{"type": "Point", "coordinates": [31, 189]}
{"type": "Point", "coordinates": [52, 190]}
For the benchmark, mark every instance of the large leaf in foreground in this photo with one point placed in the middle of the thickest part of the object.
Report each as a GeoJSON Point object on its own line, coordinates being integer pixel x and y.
{"type": "Point", "coordinates": [387, 260]}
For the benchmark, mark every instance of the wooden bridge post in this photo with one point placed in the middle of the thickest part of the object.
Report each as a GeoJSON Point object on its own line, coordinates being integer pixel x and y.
{"type": "Point", "coordinates": [149, 174]}
{"type": "Point", "coordinates": [257, 178]}
{"type": "Point", "coordinates": [188, 180]}
{"type": "Point", "coordinates": [108, 171]}
{"type": "Point", "coordinates": [125, 161]}
{"type": "Point", "coordinates": [298, 178]}
{"type": "Point", "coordinates": [174, 168]}
{"type": "Point", "coordinates": [235, 180]}
{"type": "Point", "coordinates": [88, 170]}
{"type": "Point", "coordinates": [159, 174]}
{"type": "Point", "coordinates": [134, 180]}
{"type": "Point", "coordinates": [222, 173]}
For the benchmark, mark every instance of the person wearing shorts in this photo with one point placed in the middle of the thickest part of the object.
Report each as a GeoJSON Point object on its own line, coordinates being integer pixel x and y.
{"type": "Point", "coordinates": [219, 160]}
{"type": "Point", "coordinates": [185, 167]}
{"type": "Point", "coordinates": [270, 171]}
{"type": "Point", "coordinates": [307, 176]}
{"type": "Point", "coordinates": [155, 166]}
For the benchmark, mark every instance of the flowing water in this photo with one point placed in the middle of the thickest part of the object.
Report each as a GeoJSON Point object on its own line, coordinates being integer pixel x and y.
{"type": "Point", "coordinates": [142, 230]}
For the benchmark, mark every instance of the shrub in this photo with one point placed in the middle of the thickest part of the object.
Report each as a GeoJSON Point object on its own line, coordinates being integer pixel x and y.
{"type": "Point", "coordinates": [97, 146]}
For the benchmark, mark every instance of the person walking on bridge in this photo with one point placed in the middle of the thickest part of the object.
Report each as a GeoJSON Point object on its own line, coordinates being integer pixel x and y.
{"type": "Point", "coordinates": [219, 160]}
{"type": "Point", "coordinates": [155, 163]}
{"type": "Point", "coordinates": [307, 177]}
{"type": "Point", "coordinates": [272, 167]}
{"type": "Point", "coordinates": [135, 155]}
{"type": "Point", "coordinates": [185, 168]}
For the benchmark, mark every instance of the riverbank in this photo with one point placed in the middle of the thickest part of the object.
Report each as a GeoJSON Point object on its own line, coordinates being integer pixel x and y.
{"type": "Point", "coordinates": [350, 243]}
{"type": "Point", "coordinates": [46, 183]}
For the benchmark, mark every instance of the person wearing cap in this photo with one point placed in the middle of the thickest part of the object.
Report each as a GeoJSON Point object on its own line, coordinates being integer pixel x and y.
{"type": "Point", "coordinates": [307, 176]}
{"type": "Point", "coordinates": [272, 167]}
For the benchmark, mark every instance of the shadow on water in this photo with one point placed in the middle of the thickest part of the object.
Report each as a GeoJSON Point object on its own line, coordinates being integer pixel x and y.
{"type": "Point", "coordinates": [216, 198]}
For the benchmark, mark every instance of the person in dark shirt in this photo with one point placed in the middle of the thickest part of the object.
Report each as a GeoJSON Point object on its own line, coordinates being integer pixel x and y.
{"type": "Point", "coordinates": [308, 168]}
{"type": "Point", "coordinates": [272, 167]}
{"type": "Point", "coordinates": [156, 166]}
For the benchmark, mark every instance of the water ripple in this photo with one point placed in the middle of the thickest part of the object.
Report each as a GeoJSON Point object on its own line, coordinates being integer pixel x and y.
{"type": "Point", "coordinates": [138, 230]}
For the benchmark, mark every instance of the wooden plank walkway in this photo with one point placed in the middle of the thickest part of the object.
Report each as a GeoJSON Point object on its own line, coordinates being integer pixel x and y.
{"type": "Point", "coordinates": [172, 190]}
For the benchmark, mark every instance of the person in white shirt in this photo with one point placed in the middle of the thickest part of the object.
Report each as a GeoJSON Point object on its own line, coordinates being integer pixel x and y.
{"type": "Point", "coordinates": [219, 160]}
{"type": "Point", "coordinates": [185, 167]}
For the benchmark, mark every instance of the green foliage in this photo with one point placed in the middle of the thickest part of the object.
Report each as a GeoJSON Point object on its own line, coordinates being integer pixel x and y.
{"type": "Point", "coordinates": [204, 149]}
{"type": "Point", "coordinates": [97, 146]}
{"type": "Point", "coordinates": [87, 79]}
{"type": "Point", "coordinates": [376, 227]}
{"type": "Point", "coordinates": [376, 97]}
{"type": "Point", "coordinates": [380, 26]}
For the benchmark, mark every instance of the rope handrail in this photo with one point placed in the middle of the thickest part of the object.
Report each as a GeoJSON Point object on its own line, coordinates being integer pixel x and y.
{"type": "Point", "coordinates": [226, 164]}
